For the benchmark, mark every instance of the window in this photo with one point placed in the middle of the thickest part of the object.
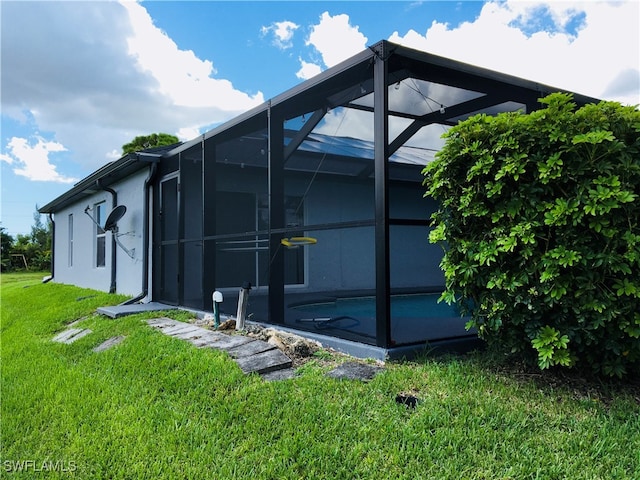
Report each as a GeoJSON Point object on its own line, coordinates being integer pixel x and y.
{"type": "Point", "coordinates": [99, 217]}
{"type": "Point", "coordinates": [246, 256]}
{"type": "Point", "coordinates": [71, 239]}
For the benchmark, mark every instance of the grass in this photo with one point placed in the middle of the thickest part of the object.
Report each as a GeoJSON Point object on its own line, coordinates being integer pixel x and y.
{"type": "Point", "coordinates": [156, 407]}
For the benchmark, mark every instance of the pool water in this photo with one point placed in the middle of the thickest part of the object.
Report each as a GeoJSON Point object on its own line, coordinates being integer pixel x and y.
{"type": "Point", "coordinates": [402, 306]}
{"type": "Point", "coordinates": [415, 319]}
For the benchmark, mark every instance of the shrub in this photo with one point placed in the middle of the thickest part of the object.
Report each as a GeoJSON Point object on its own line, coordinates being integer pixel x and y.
{"type": "Point", "coordinates": [540, 219]}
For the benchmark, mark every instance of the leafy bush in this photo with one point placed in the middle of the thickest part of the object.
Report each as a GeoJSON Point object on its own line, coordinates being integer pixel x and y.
{"type": "Point", "coordinates": [540, 218]}
{"type": "Point", "coordinates": [41, 262]}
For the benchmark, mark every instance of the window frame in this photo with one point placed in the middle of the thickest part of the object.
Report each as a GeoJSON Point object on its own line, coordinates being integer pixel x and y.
{"type": "Point", "coordinates": [70, 240]}
{"type": "Point", "coordinates": [100, 242]}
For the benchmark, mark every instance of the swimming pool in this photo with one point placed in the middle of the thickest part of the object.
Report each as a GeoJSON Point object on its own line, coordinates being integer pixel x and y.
{"type": "Point", "coordinates": [415, 318]}
{"type": "Point", "coordinates": [405, 306]}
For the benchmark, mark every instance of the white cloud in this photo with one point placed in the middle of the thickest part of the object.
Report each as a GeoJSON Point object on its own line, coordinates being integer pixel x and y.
{"type": "Point", "coordinates": [336, 39]}
{"type": "Point", "coordinates": [188, 133]}
{"type": "Point", "coordinates": [346, 122]}
{"type": "Point", "coordinates": [580, 46]}
{"type": "Point", "coordinates": [32, 160]}
{"type": "Point", "coordinates": [100, 73]}
{"type": "Point", "coordinates": [590, 48]}
{"type": "Point", "coordinates": [308, 70]}
{"type": "Point", "coordinates": [282, 33]}
{"type": "Point", "coordinates": [625, 84]}
{"type": "Point", "coordinates": [114, 154]}
{"type": "Point", "coordinates": [181, 76]}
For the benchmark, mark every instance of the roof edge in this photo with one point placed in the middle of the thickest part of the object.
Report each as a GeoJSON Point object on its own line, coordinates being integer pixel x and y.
{"type": "Point", "coordinates": [87, 184]}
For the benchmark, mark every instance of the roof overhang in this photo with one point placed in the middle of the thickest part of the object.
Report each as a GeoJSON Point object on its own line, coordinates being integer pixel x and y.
{"type": "Point", "coordinates": [111, 173]}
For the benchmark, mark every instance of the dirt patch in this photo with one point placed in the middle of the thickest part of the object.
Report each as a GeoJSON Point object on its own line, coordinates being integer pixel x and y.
{"type": "Point", "coordinates": [581, 385]}
{"type": "Point", "coordinates": [297, 348]}
{"type": "Point", "coordinates": [355, 371]}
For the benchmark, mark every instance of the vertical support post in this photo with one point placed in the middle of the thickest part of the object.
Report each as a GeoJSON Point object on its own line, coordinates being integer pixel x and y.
{"type": "Point", "coordinates": [202, 221]}
{"type": "Point", "coordinates": [381, 166]}
{"type": "Point", "coordinates": [276, 216]}
{"type": "Point", "coordinates": [209, 165]}
{"type": "Point", "coordinates": [243, 300]}
{"type": "Point", "coordinates": [180, 234]}
{"type": "Point", "coordinates": [533, 105]}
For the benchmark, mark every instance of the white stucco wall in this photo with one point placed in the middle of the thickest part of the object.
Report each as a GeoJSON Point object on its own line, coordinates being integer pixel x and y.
{"type": "Point", "coordinates": [83, 271]}
{"type": "Point", "coordinates": [129, 271]}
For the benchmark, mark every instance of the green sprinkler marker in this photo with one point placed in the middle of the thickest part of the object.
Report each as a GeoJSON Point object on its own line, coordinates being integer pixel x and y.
{"type": "Point", "coordinates": [217, 300]}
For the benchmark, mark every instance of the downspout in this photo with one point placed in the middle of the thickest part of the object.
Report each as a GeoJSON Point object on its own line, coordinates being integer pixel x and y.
{"type": "Point", "coordinates": [114, 204]}
{"type": "Point", "coordinates": [53, 248]}
{"type": "Point", "coordinates": [145, 235]}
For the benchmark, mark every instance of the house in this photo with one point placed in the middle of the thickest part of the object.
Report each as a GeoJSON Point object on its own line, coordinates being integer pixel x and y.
{"type": "Point", "coordinates": [315, 198]}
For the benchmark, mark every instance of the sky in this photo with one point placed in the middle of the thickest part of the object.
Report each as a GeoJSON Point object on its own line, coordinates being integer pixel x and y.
{"type": "Point", "coordinates": [80, 79]}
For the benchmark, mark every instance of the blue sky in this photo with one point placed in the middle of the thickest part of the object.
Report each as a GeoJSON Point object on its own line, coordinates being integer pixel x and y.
{"type": "Point", "coordinates": [80, 79]}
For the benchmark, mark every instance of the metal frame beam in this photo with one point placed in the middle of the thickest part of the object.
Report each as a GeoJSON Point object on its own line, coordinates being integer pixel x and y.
{"type": "Point", "coordinates": [381, 182]}
{"type": "Point", "coordinates": [306, 129]}
{"type": "Point", "coordinates": [276, 214]}
{"type": "Point", "coordinates": [440, 117]}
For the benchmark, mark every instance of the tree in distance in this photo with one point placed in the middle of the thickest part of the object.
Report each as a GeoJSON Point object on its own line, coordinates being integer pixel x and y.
{"type": "Point", "coordinates": [143, 142]}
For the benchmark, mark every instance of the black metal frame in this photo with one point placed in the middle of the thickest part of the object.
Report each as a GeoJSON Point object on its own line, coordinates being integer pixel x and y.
{"type": "Point", "coordinates": [361, 83]}
{"type": "Point", "coordinates": [373, 71]}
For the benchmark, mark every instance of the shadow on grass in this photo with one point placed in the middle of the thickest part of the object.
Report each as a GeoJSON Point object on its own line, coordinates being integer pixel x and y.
{"type": "Point", "coordinates": [579, 384]}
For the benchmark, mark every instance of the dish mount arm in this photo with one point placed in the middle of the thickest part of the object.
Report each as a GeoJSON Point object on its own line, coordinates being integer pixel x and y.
{"type": "Point", "coordinates": [111, 225]}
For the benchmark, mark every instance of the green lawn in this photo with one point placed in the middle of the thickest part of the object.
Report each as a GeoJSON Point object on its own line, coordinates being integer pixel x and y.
{"type": "Point", "coordinates": [156, 407]}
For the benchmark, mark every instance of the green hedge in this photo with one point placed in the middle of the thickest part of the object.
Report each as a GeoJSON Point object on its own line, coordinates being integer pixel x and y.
{"type": "Point", "coordinates": [540, 220]}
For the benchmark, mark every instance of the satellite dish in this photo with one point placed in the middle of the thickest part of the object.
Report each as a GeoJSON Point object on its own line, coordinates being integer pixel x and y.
{"type": "Point", "coordinates": [112, 220]}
